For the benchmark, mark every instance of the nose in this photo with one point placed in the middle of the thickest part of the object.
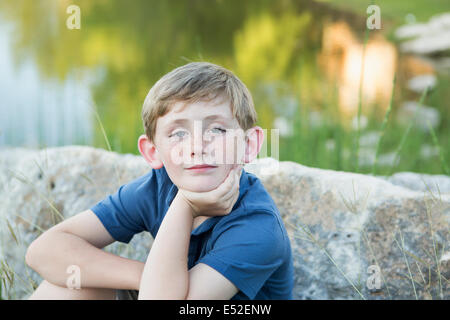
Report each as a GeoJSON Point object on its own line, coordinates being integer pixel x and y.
{"type": "Point", "coordinates": [197, 148]}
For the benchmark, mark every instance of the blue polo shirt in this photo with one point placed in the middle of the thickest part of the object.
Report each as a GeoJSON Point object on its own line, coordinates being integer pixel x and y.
{"type": "Point", "coordinates": [249, 246]}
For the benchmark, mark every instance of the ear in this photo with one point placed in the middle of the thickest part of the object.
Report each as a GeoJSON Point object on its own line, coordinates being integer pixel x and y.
{"type": "Point", "coordinates": [149, 152]}
{"type": "Point", "coordinates": [254, 140]}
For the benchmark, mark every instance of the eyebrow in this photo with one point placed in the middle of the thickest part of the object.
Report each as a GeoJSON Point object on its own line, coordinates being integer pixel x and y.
{"type": "Point", "coordinates": [211, 117]}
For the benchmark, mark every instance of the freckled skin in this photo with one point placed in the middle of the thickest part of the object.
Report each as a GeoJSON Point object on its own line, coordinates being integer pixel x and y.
{"type": "Point", "coordinates": [170, 140]}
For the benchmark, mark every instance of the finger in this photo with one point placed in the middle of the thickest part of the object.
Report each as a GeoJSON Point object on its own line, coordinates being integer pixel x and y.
{"type": "Point", "coordinates": [234, 190]}
{"type": "Point", "coordinates": [238, 170]}
{"type": "Point", "coordinates": [224, 188]}
{"type": "Point", "coordinates": [229, 194]}
{"type": "Point", "coordinates": [232, 202]}
{"type": "Point", "coordinates": [233, 198]}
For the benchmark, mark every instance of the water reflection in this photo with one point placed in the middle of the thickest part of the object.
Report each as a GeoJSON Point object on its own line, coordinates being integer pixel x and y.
{"type": "Point", "coordinates": [35, 112]}
{"type": "Point", "coordinates": [342, 61]}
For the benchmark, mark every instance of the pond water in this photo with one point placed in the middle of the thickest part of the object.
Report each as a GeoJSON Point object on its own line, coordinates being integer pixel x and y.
{"type": "Point", "coordinates": [38, 112]}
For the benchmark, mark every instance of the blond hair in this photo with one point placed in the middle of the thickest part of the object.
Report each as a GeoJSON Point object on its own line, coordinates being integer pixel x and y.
{"type": "Point", "coordinates": [197, 81]}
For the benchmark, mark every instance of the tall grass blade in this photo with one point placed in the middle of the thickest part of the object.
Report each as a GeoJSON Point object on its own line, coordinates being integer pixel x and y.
{"type": "Point", "coordinates": [11, 230]}
{"type": "Point", "coordinates": [383, 125]}
{"type": "Point", "coordinates": [441, 154]}
{"type": "Point", "coordinates": [402, 249]}
{"type": "Point", "coordinates": [434, 249]}
{"type": "Point", "coordinates": [316, 242]}
{"type": "Point", "coordinates": [106, 138]}
{"type": "Point", "coordinates": [408, 129]}
{"type": "Point", "coordinates": [26, 181]}
{"type": "Point", "coordinates": [361, 80]}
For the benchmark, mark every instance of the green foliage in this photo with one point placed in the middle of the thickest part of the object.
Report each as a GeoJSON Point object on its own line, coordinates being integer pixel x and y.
{"type": "Point", "coordinates": [273, 46]}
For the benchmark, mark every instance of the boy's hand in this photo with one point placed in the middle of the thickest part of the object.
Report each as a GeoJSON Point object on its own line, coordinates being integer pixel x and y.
{"type": "Point", "coordinates": [217, 202]}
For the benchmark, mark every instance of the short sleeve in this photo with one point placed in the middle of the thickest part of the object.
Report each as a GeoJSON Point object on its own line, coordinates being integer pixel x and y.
{"type": "Point", "coordinates": [248, 251]}
{"type": "Point", "coordinates": [122, 213]}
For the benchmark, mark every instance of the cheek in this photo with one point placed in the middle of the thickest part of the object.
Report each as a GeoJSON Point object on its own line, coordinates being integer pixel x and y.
{"type": "Point", "coordinates": [234, 149]}
{"type": "Point", "coordinates": [178, 152]}
{"type": "Point", "coordinates": [226, 149]}
{"type": "Point", "coordinates": [223, 149]}
{"type": "Point", "coordinates": [168, 152]}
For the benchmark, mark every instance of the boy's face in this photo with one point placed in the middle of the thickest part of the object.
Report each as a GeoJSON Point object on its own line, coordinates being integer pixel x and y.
{"type": "Point", "coordinates": [199, 133]}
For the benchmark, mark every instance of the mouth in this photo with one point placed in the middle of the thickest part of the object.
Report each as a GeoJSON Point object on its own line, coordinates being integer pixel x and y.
{"type": "Point", "coordinates": [201, 168]}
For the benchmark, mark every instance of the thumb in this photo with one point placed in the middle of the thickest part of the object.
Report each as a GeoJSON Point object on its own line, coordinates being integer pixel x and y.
{"type": "Point", "coordinates": [238, 169]}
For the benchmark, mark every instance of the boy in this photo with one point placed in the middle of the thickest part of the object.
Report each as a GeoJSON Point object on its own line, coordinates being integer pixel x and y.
{"type": "Point", "coordinates": [217, 232]}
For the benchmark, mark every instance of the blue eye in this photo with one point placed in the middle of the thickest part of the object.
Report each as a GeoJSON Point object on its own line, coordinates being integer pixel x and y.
{"type": "Point", "coordinates": [179, 134]}
{"type": "Point", "coordinates": [219, 130]}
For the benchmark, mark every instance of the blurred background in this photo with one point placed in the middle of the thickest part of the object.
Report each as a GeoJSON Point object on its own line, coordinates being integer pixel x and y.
{"type": "Point", "coordinates": [302, 61]}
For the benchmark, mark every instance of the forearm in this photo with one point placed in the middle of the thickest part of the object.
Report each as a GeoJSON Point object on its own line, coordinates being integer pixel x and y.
{"type": "Point", "coordinates": [165, 274]}
{"type": "Point", "coordinates": [56, 251]}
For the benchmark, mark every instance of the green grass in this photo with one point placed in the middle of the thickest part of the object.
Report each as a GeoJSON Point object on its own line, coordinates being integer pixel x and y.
{"type": "Point", "coordinates": [396, 10]}
{"type": "Point", "coordinates": [383, 126]}
{"type": "Point", "coordinates": [407, 131]}
{"type": "Point", "coordinates": [360, 95]}
{"type": "Point", "coordinates": [308, 144]}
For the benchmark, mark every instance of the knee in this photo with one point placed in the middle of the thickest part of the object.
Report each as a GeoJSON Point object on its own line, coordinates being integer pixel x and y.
{"type": "Point", "coordinates": [49, 291]}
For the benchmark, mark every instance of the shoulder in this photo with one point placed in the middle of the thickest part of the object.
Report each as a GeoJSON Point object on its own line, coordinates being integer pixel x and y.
{"type": "Point", "coordinates": [257, 206]}
{"type": "Point", "coordinates": [256, 228]}
{"type": "Point", "coordinates": [256, 196]}
{"type": "Point", "coordinates": [256, 234]}
{"type": "Point", "coordinates": [154, 180]}
{"type": "Point", "coordinates": [144, 193]}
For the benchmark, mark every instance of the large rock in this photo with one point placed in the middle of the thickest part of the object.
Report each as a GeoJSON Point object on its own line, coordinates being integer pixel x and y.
{"type": "Point", "coordinates": [342, 225]}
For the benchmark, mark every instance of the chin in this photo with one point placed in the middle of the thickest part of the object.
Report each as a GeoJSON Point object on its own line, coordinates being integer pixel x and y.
{"type": "Point", "coordinates": [201, 183]}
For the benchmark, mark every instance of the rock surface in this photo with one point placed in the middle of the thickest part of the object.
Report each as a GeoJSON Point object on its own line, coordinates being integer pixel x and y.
{"type": "Point", "coordinates": [345, 228]}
